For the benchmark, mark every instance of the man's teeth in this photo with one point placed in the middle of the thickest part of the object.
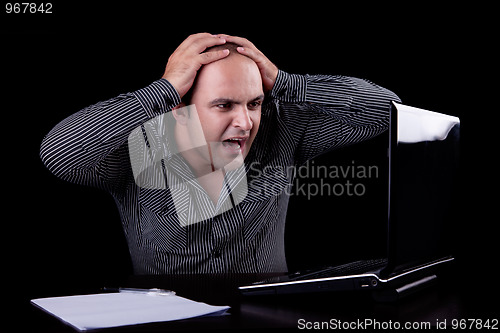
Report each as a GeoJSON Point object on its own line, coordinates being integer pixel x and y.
{"type": "Point", "coordinates": [232, 142]}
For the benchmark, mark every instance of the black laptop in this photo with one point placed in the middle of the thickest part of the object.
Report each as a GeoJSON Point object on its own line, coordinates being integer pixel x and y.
{"type": "Point", "coordinates": [423, 167]}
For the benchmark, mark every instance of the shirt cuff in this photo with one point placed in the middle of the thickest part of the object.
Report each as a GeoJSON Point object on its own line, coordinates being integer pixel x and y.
{"type": "Point", "coordinates": [289, 87]}
{"type": "Point", "coordinates": [157, 98]}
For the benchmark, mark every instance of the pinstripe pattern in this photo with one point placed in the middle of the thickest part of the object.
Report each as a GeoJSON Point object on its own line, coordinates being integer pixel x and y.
{"type": "Point", "coordinates": [304, 116]}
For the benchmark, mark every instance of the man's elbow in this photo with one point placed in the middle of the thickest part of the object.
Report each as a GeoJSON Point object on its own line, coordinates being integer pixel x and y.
{"type": "Point", "coordinates": [52, 155]}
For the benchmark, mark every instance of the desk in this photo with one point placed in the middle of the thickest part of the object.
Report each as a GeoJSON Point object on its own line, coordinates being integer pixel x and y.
{"type": "Point", "coordinates": [444, 301]}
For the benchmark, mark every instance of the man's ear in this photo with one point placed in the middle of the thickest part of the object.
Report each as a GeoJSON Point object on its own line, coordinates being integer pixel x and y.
{"type": "Point", "coordinates": [181, 113]}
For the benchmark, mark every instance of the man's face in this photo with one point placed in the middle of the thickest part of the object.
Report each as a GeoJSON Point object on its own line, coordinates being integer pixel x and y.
{"type": "Point", "coordinates": [228, 96]}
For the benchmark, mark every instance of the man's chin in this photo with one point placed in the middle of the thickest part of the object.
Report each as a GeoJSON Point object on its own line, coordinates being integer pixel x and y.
{"type": "Point", "coordinates": [229, 158]}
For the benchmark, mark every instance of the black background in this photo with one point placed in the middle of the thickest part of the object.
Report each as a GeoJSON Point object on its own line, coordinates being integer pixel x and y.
{"type": "Point", "coordinates": [53, 65]}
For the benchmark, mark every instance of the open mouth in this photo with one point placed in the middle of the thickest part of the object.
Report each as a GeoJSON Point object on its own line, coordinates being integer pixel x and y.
{"type": "Point", "coordinates": [234, 144]}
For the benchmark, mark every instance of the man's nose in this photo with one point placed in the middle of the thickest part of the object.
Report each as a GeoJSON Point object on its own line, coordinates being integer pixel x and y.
{"type": "Point", "coordinates": [242, 118]}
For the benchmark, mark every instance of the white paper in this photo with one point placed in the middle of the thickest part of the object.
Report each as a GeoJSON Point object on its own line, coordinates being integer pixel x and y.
{"type": "Point", "coordinates": [87, 312]}
{"type": "Point", "coordinates": [417, 125]}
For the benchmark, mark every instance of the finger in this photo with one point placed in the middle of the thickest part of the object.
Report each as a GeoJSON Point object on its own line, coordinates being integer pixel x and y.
{"type": "Point", "coordinates": [256, 56]}
{"type": "Point", "coordinates": [208, 57]}
{"type": "Point", "coordinates": [186, 43]}
{"type": "Point", "coordinates": [239, 40]}
{"type": "Point", "coordinates": [247, 48]}
{"type": "Point", "coordinates": [197, 43]}
{"type": "Point", "coordinates": [199, 36]}
{"type": "Point", "coordinates": [200, 44]}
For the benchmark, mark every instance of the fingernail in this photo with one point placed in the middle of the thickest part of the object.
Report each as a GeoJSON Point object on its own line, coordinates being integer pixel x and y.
{"type": "Point", "coordinates": [240, 49]}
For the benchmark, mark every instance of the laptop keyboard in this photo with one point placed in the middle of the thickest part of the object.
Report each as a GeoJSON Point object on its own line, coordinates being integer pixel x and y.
{"type": "Point", "coordinates": [353, 268]}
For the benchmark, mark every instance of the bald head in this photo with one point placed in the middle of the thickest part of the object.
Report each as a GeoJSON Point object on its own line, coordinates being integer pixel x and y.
{"type": "Point", "coordinates": [233, 55]}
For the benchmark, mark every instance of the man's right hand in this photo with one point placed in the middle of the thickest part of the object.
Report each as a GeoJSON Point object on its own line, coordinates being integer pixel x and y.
{"type": "Point", "coordinates": [187, 59]}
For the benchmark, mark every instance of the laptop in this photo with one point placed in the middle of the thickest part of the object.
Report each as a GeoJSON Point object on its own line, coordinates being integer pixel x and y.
{"type": "Point", "coordinates": [423, 168]}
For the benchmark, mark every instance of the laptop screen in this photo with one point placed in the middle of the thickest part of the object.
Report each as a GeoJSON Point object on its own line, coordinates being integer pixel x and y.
{"type": "Point", "coordinates": [423, 166]}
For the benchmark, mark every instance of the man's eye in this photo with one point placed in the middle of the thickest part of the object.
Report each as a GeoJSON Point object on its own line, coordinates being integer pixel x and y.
{"type": "Point", "coordinates": [254, 105]}
{"type": "Point", "coordinates": [224, 106]}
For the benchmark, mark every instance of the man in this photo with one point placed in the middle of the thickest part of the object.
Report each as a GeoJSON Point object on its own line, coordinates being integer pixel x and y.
{"type": "Point", "coordinates": [199, 162]}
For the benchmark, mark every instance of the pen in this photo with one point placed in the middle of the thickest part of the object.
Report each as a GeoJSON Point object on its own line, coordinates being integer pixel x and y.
{"type": "Point", "coordinates": [152, 291]}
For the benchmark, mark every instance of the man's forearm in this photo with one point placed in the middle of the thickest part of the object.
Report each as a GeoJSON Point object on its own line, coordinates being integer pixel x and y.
{"type": "Point", "coordinates": [325, 112]}
{"type": "Point", "coordinates": [353, 101]}
{"type": "Point", "coordinates": [329, 90]}
{"type": "Point", "coordinates": [74, 148]}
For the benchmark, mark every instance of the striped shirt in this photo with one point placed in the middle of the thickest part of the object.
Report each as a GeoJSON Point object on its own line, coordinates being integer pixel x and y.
{"type": "Point", "coordinates": [302, 117]}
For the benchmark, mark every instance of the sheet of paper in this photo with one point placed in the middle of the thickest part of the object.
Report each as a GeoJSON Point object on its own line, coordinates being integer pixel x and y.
{"type": "Point", "coordinates": [87, 312]}
{"type": "Point", "coordinates": [418, 125]}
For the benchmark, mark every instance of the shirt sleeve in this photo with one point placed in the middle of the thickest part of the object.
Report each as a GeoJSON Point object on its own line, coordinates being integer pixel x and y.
{"type": "Point", "coordinates": [85, 147]}
{"type": "Point", "coordinates": [325, 112]}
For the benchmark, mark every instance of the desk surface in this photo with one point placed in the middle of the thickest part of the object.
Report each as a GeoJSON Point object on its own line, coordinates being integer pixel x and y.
{"type": "Point", "coordinates": [445, 301]}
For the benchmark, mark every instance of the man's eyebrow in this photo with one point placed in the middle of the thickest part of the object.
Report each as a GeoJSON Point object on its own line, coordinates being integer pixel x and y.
{"type": "Point", "coordinates": [230, 100]}
{"type": "Point", "coordinates": [260, 97]}
{"type": "Point", "coordinates": [221, 101]}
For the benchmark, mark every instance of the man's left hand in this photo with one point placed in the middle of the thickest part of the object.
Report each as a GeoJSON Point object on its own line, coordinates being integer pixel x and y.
{"type": "Point", "coordinates": [268, 70]}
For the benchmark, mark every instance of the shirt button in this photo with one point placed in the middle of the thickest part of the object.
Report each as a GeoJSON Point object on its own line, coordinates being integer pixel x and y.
{"type": "Point", "coordinates": [216, 253]}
